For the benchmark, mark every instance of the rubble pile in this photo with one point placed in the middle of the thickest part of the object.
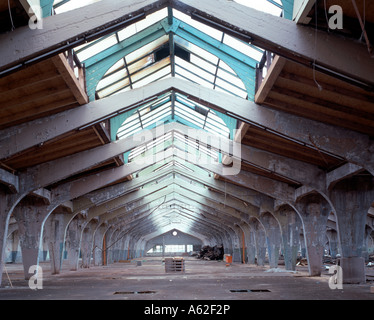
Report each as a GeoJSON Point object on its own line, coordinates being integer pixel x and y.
{"type": "Point", "coordinates": [211, 253]}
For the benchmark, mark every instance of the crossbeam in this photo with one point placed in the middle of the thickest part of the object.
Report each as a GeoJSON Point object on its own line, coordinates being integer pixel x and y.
{"type": "Point", "coordinates": [325, 51]}
{"type": "Point", "coordinates": [350, 145]}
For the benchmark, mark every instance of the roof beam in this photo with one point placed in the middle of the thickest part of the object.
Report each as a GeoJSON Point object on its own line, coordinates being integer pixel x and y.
{"type": "Point", "coordinates": [56, 170]}
{"type": "Point", "coordinates": [353, 146]}
{"type": "Point", "coordinates": [301, 10]}
{"type": "Point", "coordinates": [10, 180]}
{"type": "Point", "coordinates": [65, 31]}
{"type": "Point", "coordinates": [285, 38]}
{"type": "Point", "coordinates": [341, 173]}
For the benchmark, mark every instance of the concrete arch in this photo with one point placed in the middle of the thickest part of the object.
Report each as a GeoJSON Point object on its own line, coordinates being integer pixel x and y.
{"type": "Point", "coordinates": [273, 237]}
{"type": "Point", "coordinates": [290, 226]}
{"type": "Point", "coordinates": [260, 240]}
{"type": "Point", "coordinates": [314, 210]}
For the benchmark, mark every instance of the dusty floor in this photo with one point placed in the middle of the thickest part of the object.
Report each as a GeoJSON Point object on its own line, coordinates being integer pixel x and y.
{"type": "Point", "coordinates": [202, 280]}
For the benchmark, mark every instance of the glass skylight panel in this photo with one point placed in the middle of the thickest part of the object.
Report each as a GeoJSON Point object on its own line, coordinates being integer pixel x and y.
{"type": "Point", "coordinates": [98, 47]}
{"type": "Point", "coordinates": [195, 146]}
{"type": "Point", "coordinates": [156, 114]}
{"type": "Point", "coordinates": [184, 115]}
{"type": "Point", "coordinates": [150, 69]}
{"type": "Point", "coordinates": [146, 49]}
{"type": "Point", "coordinates": [242, 47]}
{"type": "Point", "coordinates": [214, 33]}
{"type": "Point", "coordinates": [262, 5]}
{"type": "Point", "coordinates": [196, 70]}
{"type": "Point", "coordinates": [129, 132]}
{"type": "Point", "coordinates": [113, 78]}
{"type": "Point", "coordinates": [127, 32]}
{"type": "Point", "coordinates": [190, 112]}
{"type": "Point", "coordinates": [165, 166]}
{"type": "Point", "coordinates": [191, 77]}
{"type": "Point", "coordinates": [230, 78]}
{"type": "Point", "coordinates": [141, 149]}
{"type": "Point", "coordinates": [196, 50]}
{"type": "Point", "coordinates": [151, 19]}
{"type": "Point", "coordinates": [230, 88]}
{"type": "Point", "coordinates": [72, 4]}
{"type": "Point", "coordinates": [114, 88]}
{"type": "Point", "coordinates": [118, 65]}
{"type": "Point", "coordinates": [183, 167]}
{"type": "Point", "coordinates": [223, 65]}
{"type": "Point", "coordinates": [142, 63]}
{"type": "Point", "coordinates": [153, 77]}
{"type": "Point", "coordinates": [128, 88]}
{"type": "Point", "coordinates": [203, 64]}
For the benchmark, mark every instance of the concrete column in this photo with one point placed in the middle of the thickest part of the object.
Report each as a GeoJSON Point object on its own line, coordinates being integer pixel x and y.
{"type": "Point", "coordinates": [87, 242]}
{"type": "Point", "coordinates": [54, 229]}
{"type": "Point", "coordinates": [98, 245]}
{"type": "Point", "coordinates": [290, 225]}
{"type": "Point", "coordinates": [273, 237]}
{"type": "Point", "coordinates": [251, 248]}
{"type": "Point", "coordinates": [123, 252]}
{"type": "Point", "coordinates": [371, 243]}
{"type": "Point", "coordinates": [227, 243]}
{"type": "Point", "coordinates": [7, 204]}
{"type": "Point", "coordinates": [249, 243]}
{"type": "Point", "coordinates": [117, 247]}
{"type": "Point", "coordinates": [332, 235]}
{"type": "Point", "coordinates": [30, 215]}
{"type": "Point", "coordinates": [365, 250]}
{"type": "Point", "coordinates": [73, 240]}
{"type": "Point", "coordinates": [126, 253]}
{"type": "Point", "coordinates": [43, 253]}
{"type": "Point", "coordinates": [236, 256]}
{"type": "Point", "coordinates": [302, 245]}
{"type": "Point", "coordinates": [13, 255]}
{"type": "Point", "coordinates": [314, 211]}
{"type": "Point", "coordinates": [111, 238]}
{"type": "Point", "coordinates": [352, 199]}
{"type": "Point", "coordinates": [260, 240]}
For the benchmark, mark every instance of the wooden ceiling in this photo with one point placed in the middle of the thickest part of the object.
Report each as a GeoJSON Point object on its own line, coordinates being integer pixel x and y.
{"type": "Point", "coordinates": [12, 14]}
{"type": "Point", "coordinates": [351, 24]}
{"type": "Point", "coordinates": [303, 91]}
{"type": "Point", "coordinates": [41, 90]}
{"type": "Point", "coordinates": [299, 90]}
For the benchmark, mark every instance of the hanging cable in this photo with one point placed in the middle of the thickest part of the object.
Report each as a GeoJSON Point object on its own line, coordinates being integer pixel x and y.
{"type": "Point", "coordinates": [10, 15]}
{"type": "Point", "coordinates": [320, 88]}
{"type": "Point", "coordinates": [362, 24]}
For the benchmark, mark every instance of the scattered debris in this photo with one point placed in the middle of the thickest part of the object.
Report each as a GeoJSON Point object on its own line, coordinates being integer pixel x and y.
{"type": "Point", "coordinates": [329, 260]}
{"type": "Point", "coordinates": [274, 270]}
{"type": "Point", "coordinates": [302, 262]}
{"type": "Point", "coordinates": [370, 264]}
{"type": "Point", "coordinates": [211, 253]}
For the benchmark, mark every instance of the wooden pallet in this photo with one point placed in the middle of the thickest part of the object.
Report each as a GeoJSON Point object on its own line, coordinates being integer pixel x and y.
{"type": "Point", "coordinates": [174, 265]}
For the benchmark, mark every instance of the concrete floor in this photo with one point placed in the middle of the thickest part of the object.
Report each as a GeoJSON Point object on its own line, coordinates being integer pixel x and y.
{"type": "Point", "coordinates": [203, 280]}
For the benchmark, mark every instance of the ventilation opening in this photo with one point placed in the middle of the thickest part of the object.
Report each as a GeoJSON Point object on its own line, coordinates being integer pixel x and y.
{"type": "Point", "coordinates": [135, 292]}
{"type": "Point", "coordinates": [164, 52]}
{"type": "Point", "coordinates": [247, 290]}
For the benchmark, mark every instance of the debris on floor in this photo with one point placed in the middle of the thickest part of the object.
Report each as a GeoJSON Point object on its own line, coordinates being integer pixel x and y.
{"type": "Point", "coordinates": [211, 253]}
{"type": "Point", "coordinates": [273, 270]}
{"type": "Point", "coordinates": [174, 265]}
{"type": "Point", "coordinates": [302, 262]}
{"type": "Point", "coordinates": [329, 260]}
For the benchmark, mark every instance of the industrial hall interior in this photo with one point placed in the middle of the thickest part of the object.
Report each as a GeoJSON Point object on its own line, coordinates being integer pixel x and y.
{"type": "Point", "coordinates": [186, 149]}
